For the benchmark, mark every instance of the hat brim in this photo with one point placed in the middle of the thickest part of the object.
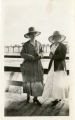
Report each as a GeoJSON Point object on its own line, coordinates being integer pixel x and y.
{"type": "Point", "coordinates": [27, 35]}
{"type": "Point", "coordinates": [63, 37]}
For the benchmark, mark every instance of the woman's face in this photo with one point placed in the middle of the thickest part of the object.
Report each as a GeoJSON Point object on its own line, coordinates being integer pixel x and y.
{"type": "Point", "coordinates": [56, 39]}
{"type": "Point", "coordinates": [32, 36]}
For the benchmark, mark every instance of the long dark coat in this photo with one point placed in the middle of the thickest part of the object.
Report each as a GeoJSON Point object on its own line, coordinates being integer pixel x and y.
{"type": "Point", "coordinates": [32, 70]}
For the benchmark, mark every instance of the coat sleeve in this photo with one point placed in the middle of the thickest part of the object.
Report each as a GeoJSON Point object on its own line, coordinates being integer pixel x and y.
{"type": "Point", "coordinates": [38, 55]}
{"type": "Point", "coordinates": [61, 54]}
{"type": "Point", "coordinates": [25, 55]}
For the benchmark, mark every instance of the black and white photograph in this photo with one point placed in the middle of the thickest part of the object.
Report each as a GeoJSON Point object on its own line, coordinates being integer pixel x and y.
{"type": "Point", "coordinates": [37, 35]}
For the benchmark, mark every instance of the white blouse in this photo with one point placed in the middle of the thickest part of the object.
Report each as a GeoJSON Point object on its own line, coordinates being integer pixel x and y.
{"type": "Point", "coordinates": [53, 48]}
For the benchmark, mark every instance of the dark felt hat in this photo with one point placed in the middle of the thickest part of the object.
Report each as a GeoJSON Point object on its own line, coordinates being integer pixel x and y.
{"type": "Point", "coordinates": [31, 30]}
{"type": "Point", "coordinates": [55, 34]}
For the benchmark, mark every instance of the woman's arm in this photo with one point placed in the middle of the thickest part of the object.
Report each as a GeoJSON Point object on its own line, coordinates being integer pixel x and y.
{"type": "Point", "coordinates": [38, 54]}
{"type": "Point", "coordinates": [25, 55]}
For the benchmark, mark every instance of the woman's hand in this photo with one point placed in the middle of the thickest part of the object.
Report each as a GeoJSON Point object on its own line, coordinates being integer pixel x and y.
{"type": "Point", "coordinates": [28, 57]}
{"type": "Point", "coordinates": [32, 58]}
{"type": "Point", "coordinates": [38, 56]}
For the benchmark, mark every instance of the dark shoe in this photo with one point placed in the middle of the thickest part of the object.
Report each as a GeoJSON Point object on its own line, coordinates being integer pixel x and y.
{"type": "Point", "coordinates": [55, 102]}
{"type": "Point", "coordinates": [28, 98]}
{"type": "Point", "coordinates": [36, 101]}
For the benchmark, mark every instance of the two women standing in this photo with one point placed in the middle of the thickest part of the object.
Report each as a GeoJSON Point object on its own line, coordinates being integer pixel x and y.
{"type": "Point", "coordinates": [32, 71]}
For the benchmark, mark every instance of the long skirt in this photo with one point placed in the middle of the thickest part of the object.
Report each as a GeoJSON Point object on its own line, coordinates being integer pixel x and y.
{"type": "Point", "coordinates": [33, 88]}
{"type": "Point", "coordinates": [32, 74]}
{"type": "Point", "coordinates": [56, 86]}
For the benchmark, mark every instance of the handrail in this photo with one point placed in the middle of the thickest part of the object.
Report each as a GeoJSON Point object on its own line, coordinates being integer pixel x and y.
{"type": "Point", "coordinates": [17, 69]}
{"type": "Point", "coordinates": [18, 56]}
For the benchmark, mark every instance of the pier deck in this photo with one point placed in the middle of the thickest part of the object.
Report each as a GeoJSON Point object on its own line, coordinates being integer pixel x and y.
{"type": "Point", "coordinates": [15, 105]}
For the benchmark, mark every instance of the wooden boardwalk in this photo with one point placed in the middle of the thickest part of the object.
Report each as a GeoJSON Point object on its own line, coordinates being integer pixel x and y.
{"type": "Point", "coordinates": [16, 106]}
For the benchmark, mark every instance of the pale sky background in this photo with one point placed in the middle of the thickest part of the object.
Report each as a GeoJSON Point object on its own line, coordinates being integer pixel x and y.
{"type": "Point", "coordinates": [45, 15]}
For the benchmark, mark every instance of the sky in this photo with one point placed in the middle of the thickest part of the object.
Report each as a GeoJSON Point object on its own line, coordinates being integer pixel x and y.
{"type": "Point", "coordinates": [45, 15]}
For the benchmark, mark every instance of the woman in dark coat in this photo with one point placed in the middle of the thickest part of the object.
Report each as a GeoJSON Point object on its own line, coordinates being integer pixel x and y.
{"type": "Point", "coordinates": [31, 67]}
{"type": "Point", "coordinates": [56, 84]}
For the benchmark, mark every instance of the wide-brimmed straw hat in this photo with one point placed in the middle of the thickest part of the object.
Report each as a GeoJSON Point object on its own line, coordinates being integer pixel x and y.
{"type": "Point", "coordinates": [31, 30]}
{"type": "Point", "coordinates": [55, 34]}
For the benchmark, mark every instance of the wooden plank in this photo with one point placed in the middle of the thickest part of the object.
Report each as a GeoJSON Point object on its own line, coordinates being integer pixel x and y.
{"type": "Point", "coordinates": [17, 69]}
{"type": "Point", "coordinates": [16, 83]}
{"type": "Point", "coordinates": [18, 56]}
{"type": "Point", "coordinates": [22, 109]}
{"type": "Point", "coordinates": [15, 105]}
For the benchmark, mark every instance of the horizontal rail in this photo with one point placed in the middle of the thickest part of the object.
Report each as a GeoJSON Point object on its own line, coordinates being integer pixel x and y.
{"type": "Point", "coordinates": [15, 83]}
{"type": "Point", "coordinates": [18, 56]}
{"type": "Point", "coordinates": [17, 69]}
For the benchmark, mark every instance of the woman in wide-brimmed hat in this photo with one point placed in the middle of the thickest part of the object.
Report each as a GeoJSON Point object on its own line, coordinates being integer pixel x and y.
{"type": "Point", "coordinates": [31, 67]}
{"type": "Point", "coordinates": [56, 88]}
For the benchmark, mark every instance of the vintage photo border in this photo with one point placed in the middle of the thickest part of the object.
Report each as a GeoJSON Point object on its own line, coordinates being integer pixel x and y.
{"type": "Point", "coordinates": [72, 76]}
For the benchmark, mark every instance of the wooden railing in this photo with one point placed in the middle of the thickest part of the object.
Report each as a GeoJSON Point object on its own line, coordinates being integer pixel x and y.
{"type": "Point", "coordinates": [17, 69]}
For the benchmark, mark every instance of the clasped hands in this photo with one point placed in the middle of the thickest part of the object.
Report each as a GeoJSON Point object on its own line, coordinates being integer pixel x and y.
{"type": "Point", "coordinates": [36, 56]}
